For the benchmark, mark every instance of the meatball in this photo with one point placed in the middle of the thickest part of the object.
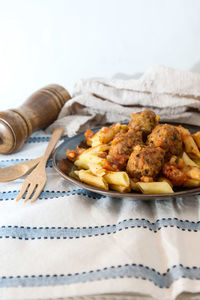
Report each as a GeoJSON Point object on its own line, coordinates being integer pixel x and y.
{"type": "Point", "coordinates": [168, 138]}
{"type": "Point", "coordinates": [121, 148]}
{"type": "Point", "coordinates": [143, 121]}
{"type": "Point", "coordinates": [145, 161]}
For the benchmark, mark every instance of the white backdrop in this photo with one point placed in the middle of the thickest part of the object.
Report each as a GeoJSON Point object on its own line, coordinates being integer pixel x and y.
{"type": "Point", "coordinates": [61, 41]}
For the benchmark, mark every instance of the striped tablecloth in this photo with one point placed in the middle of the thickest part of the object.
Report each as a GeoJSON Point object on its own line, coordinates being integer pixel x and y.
{"type": "Point", "coordinates": [75, 243]}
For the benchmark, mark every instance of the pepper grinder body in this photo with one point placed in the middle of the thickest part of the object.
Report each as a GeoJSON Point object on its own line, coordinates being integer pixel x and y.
{"type": "Point", "coordinates": [39, 111]}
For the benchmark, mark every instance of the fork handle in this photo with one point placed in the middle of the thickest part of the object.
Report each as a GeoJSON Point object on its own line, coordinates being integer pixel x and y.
{"type": "Point", "coordinates": [57, 133]}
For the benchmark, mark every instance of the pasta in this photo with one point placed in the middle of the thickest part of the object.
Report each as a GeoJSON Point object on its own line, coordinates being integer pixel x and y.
{"type": "Point", "coordinates": [188, 161]}
{"type": "Point", "coordinates": [192, 183]}
{"type": "Point", "coordinates": [117, 178]}
{"type": "Point", "coordinates": [120, 188]}
{"type": "Point", "coordinates": [192, 172]}
{"type": "Point", "coordinates": [143, 156]}
{"type": "Point", "coordinates": [91, 156]}
{"type": "Point", "coordinates": [190, 145]}
{"type": "Point", "coordinates": [88, 178]}
{"type": "Point", "coordinates": [196, 137]}
{"type": "Point", "coordinates": [104, 135]}
{"type": "Point", "coordinates": [154, 187]}
{"type": "Point", "coordinates": [133, 185]}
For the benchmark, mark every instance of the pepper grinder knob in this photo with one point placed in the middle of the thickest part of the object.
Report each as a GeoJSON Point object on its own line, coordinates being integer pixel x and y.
{"type": "Point", "coordinates": [37, 112]}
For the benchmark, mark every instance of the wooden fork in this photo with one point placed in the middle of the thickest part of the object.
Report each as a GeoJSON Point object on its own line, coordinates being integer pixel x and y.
{"type": "Point", "coordinates": [35, 182]}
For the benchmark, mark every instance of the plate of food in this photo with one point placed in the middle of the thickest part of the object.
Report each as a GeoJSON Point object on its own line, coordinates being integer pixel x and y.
{"type": "Point", "coordinates": [142, 159]}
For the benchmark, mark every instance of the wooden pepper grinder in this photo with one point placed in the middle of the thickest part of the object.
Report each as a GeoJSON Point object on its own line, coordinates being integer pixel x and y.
{"type": "Point", "coordinates": [37, 112]}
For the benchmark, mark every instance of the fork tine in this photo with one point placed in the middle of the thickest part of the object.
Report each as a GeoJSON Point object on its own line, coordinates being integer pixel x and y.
{"type": "Point", "coordinates": [37, 193]}
{"type": "Point", "coordinates": [30, 191]}
{"type": "Point", "coordinates": [22, 191]}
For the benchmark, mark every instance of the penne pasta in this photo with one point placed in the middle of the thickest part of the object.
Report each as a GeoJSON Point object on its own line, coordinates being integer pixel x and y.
{"type": "Point", "coordinates": [90, 156]}
{"type": "Point", "coordinates": [105, 135]}
{"type": "Point", "coordinates": [190, 145]}
{"type": "Point", "coordinates": [85, 161]}
{"type": "Point", "coordinates": [196, 137]}
{"type": "Point", "coordinates": [97, 169]}
{"type": "Point", "coordinates": [120, 188]}
{"type": "Point", "coordinates": [87, 177]}
{"type": "Point", "coordinates": [197, 162]}
{"type": "Point", "coordinates": [188, 161]}
{"type": "Point", "coordinates": [97, 149]}
{"type": "Point", "coordinates": [192, 172]}
{"type": "Point", "coordinates": [117, 178]}
{"type": "Point", "coordinates": [134, 186]}
{"type": "Point", "coordinates": [155, 187]}
{"type": "Point", "coordinates": [192, 183]}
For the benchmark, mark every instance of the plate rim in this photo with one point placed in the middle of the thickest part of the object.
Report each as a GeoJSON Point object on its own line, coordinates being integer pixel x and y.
{"type": "Point", "coordinates": [115, 193]}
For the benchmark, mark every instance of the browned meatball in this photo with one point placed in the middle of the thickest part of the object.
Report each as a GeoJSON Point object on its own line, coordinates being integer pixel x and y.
{"type": "Point", "coordinates": [121, 148]}
{"type": "Point", "coordinates": [145, 161]}
{"type": "Point", "coordinates": [143, 121]}
{"type": "Point", "coordinates": [168, 138]}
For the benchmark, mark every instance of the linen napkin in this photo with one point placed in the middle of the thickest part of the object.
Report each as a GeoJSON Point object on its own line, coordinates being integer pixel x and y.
{"type": "Point", "coordinates": [172, 94]}
{"type": "Point", "coordinates": [75, 244]}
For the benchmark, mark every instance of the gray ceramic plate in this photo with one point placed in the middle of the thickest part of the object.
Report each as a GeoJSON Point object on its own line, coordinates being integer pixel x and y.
{"type": "Point", "coordinates": [71, 143]}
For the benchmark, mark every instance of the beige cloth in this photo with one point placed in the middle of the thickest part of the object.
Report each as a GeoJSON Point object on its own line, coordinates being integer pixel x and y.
{"type": "Point", "coordinates": [173, 95]}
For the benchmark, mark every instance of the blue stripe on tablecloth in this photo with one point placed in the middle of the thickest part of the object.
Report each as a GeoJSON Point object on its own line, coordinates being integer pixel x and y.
{"type": "Point", "coordinates": [38, 139]}
{"type": "Point", "coordinates": [162, 280]}
{"type": "Point", "coordinates": [11, 162]}
{"type": "Point", "coordinates": [11, 195]}
{"type": "Point", "coordinates": [27, 233]}
{"type": "Point", "coordinates": [41, 139]}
